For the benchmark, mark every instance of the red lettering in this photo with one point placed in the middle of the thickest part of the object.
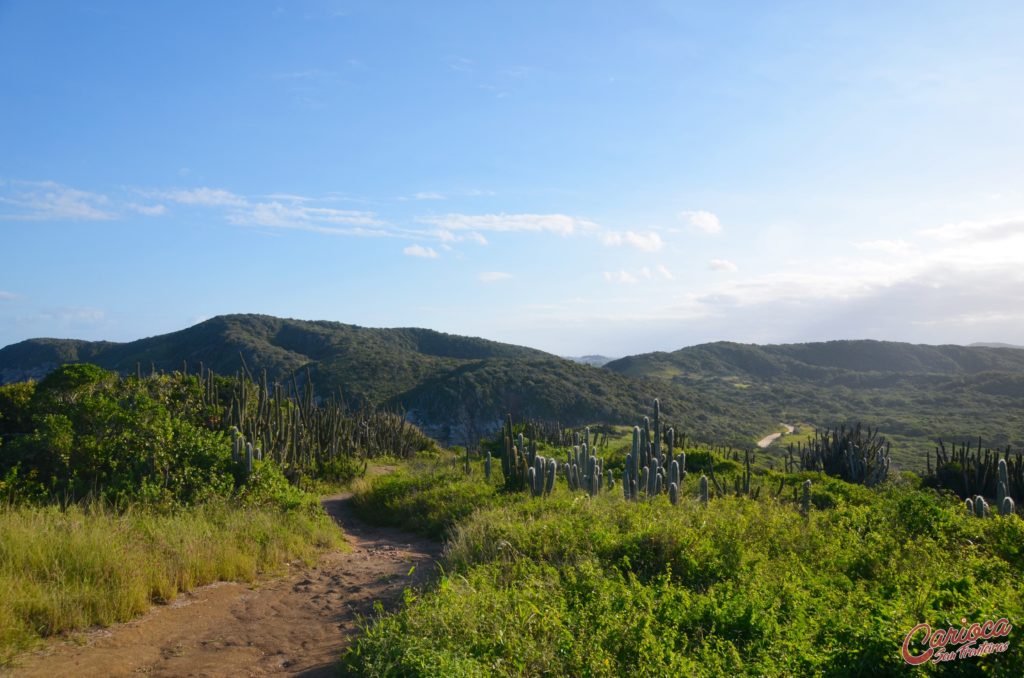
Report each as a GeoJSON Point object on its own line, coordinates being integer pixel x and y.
{"type": "Point", "coordinates": [917, 660]}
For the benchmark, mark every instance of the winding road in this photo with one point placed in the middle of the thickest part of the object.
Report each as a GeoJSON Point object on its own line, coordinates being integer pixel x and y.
{"type": "Point", "coordinates": [768, 440]}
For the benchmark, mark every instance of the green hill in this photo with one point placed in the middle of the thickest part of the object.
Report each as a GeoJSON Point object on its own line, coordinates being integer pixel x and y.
{"type": "Point", "coordinates": [914, 393]}
{"type": "Point", "coordinates": [454, 387]}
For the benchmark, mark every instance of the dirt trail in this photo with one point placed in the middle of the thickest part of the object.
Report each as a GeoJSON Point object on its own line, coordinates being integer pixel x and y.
{"type": "Point", "coordinates": [768, 440]}
{"type": "Point", "coordinates": [296, 625]}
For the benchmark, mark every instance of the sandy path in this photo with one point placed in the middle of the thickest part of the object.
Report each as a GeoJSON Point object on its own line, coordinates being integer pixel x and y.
{"type": "Point", "coordinates": [768, 440]}
{"type": "Point", "coordinates": [295, 625]}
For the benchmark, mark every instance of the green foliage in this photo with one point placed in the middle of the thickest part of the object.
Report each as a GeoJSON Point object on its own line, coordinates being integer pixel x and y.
{"type": "Point", "coordinates": [913, 393]}
{"type": "Point", "coordinates": [84, 432]}
{"type": "Point", "coordinates": [430, 502]}
{"type": "Point", "coordinates": [581, 585]}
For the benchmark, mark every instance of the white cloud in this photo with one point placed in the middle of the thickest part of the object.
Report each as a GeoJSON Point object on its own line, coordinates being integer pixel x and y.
{"type": "Point", "coordinates": [420, 251]}
{"type": "Point", "coordinates": [722, 265]}
{"type": "Point", "coordinates": [553, 223]}
{"type": "Point", "coordinates": [280, 215]}
{"type": "Point", "coordinates": [705, 221]}
{"type": "Point", "coordinates": [204, 197]}
{"type": "Point", "coordinates": [73, 315]}
{"type": "Point", "coordinates": [429, 195]}
{"type": "Point", "coordinates": [665, 273]}
{"type": "Point", "coordinates": [621, 276]}
{"type": "Point", "coordinates": [50, 201]}
{"type": "Point", "coordinates": [648, 242]}
{"type": "Point", "coordinates": [7, 296]}
{"type": "Point", "coordinates": [494, 276]}
{"type": "Point", "coordinates": [446, 236]}
{"type": "Point", "coordinates": [977, 231]}
{"type": "Point", "coordinates": [147, 210]}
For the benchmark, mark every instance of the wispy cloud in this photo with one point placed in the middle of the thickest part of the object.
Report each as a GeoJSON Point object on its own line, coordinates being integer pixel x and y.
{"type": "Point", "coordinates": [703, 221]}
{"type": "Point", "coordinates": [7, 296]}
{"type": "Point", "coordinates": [553, 223]}
{"type": "Point", "coordinates": [446, 236]}
{"type": "Point", "coordinates": [429, 195]}
{"type": "Point", "coordinates": [51, 201]}
{"type": "Point", "coordinates": [420, 251]}
{"type": "Point", "coordinates": [977, 231]}
{"type": "Point", "coordinates": [621, 276]}
{"type": "Point", "coordinates": [648, 242]}
{"type": "Point", "coordinates": [72, 315]}
{"type": "Point", "coordinates": [494, 276]}
{"type": "Point", "coordinates": [205, 197]}
{"type": "Point", "coordinates": [722, 265]}
{"type": "Point", "coordinates": [279, 210]}
{"type": "Point", "coordinates": [147, 210]}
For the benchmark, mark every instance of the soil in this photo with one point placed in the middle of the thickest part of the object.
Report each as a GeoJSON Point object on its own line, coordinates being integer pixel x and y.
{"type": "Point", "coordinates": [768, 440]}
{"type": "Point", "coordinates": [296, 625]}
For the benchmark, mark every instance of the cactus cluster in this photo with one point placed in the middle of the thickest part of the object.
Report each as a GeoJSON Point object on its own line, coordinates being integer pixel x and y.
{"type": "Point", "coordinates": [517, 458]}
{"type": "Point", "coordinates": [651, 467]}
{"type": "Point", "coordinates": [583, 470]}
{"type": "Point", "coordinates": [977, 506]}
{"type": "Point", "coordinates": [856, 455]}
{"type": "Point", "coordinates": [969, 470]}
{"type": "Point", "coordinates": [243, 453]}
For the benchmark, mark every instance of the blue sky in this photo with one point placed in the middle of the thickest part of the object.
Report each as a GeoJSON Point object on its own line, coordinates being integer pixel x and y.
{"type": "Point", "coordinates": [588, 177]}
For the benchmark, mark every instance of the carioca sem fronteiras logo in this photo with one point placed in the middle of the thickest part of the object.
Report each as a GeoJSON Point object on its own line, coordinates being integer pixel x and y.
{"type": "Point", "coordinates": [966, 637]}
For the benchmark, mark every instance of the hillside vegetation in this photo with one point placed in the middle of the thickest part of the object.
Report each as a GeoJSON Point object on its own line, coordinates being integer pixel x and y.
{"type": "Point", "coordinates": [455, 388]}
{"type": "Point", "coordinates": [914, 394]}
{"type": "Point", "coordinates": [570, 584]}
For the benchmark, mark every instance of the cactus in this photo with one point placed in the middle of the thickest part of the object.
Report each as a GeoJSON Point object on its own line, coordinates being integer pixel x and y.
{"type": "Point", "coordinates": [673, 493]}
{"type": "Point", "coordinates": [969, 503]}
{"type": "Point", "coordinates": [855, 455]}
{"type": "Point", "coordinates": [1007, 507]}
{"type": "Point", "coordinates": [248, 459]}
{"type": "Point", "coordinates": [487, 466]}
{"type": "Point", "coordinates": [805, 506]}
{"type": "Point", "coordinates": [980, 506]}
{"type": "Point", "coordinates": [704, 490]}
{"type": "Point", "coordinates": [552, 474]}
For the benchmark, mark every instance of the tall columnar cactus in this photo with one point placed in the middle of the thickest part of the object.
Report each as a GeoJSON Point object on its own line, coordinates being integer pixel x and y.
{"type": "Point", "coordinates": [673, 493]}
{"type": "Point", "coordinates": [980, 506]}
{"type": "Point", "coordinates": [552, 473]}
{"type": "Point", "coordinates": [487, 466]}
{"type": "Point", "coordinates": [1007, 507]}
{"type": "Point", "coordinates": [805, 506]}
{"type": "Point", "coordinates": [248, 459]}
{"type": "Point", "coordinates": [969, 503]}
{"type": "Point", "coordinates": [704, 490]}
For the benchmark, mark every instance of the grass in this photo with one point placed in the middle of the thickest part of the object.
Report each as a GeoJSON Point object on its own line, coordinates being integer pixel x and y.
{"type": "Point", "coordinates": [67, 570]}
{"type": "Point", "coordinates": [570, 585]}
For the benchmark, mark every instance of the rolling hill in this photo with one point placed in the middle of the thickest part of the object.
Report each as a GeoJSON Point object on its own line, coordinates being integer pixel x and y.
{"type": "Point", "coordinates": [914, 393]}
{"type": "Point", "coordinates": [454, 387]}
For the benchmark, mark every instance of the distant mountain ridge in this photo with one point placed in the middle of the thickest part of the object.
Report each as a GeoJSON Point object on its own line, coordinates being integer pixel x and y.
{"type": "Point", "coordinates": [820, 358]}
{"type": "Point", "coordinates": [916, 394]}
{"type": "Point", "coordinates": [458, 388]}
{"type": "Point", "coordinates": [454, 387]}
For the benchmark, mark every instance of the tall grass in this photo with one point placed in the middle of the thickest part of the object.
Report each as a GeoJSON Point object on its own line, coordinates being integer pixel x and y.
{"type": "Point", "coordinates": [571, 585]}
{"type": "Point", "coordinates": [72, 569]}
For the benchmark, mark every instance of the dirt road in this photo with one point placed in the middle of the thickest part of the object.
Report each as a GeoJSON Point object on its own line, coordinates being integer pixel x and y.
{"type": "Point", "coordinates": [296, 625]}
{"type": "Point", "coordinates": [768, 440]}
